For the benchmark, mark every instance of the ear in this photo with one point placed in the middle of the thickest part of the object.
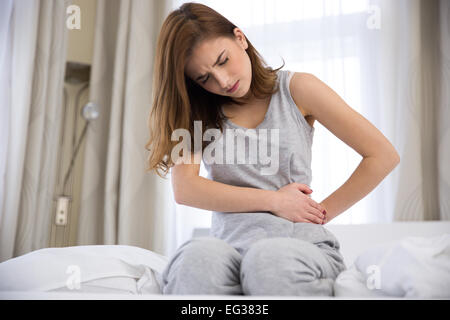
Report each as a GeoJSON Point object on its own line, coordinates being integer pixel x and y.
{"type": "Point", "coordinates": [240, 37]}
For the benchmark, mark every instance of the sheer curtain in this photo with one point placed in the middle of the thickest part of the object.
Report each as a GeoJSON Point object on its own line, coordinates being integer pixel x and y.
{"type": "Point", "coordinates": [120, 202]}
{"type": "Point", "coordinates": [365, 51]}
{"type": "Point", "coordinates": [5, 95]}
{"type": "Point", "coordinates": [32, 57]}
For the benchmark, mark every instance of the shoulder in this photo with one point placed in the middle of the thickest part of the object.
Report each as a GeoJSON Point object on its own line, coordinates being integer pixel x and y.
{"type": "Point", "coordinates": [299, 84]}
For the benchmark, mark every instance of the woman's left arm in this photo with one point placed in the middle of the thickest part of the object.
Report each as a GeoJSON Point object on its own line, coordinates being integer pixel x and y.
{"type": "Point", "coordinates": [379, 156]}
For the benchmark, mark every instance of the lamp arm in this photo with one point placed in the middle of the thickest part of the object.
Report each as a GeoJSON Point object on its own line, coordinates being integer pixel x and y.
{"type": "Point", "coordinates": [74, 155]}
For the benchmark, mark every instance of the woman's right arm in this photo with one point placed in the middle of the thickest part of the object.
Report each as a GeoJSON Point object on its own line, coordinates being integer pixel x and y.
{"type": "Point", "coordinates": [202, 193]}
{"type": "Point", "coordinates": [190, 189]}
{"type": "Point", "coordinates": [289, 202]}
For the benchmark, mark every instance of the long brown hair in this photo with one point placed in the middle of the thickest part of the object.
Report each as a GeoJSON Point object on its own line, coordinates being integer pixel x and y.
{"type": "Point", "coordinates": [177, 100]}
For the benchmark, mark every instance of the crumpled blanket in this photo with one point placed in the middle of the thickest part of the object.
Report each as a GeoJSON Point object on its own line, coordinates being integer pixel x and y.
{"type": "Point", "coordinates": [415, 267]}
{"type": "Point", "coordinates": [91, 268]}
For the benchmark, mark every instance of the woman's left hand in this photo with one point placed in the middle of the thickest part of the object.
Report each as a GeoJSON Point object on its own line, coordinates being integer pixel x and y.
{"type": "Point", "coordinates": [325, 219]}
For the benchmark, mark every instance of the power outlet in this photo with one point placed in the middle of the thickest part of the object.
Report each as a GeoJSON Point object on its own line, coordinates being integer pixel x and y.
{"type": "Point", "coordinates": [62, 211]}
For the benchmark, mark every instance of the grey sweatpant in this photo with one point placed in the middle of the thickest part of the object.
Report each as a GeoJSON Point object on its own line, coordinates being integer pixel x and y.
{"type": "Point", "coordinates": [287, 265]}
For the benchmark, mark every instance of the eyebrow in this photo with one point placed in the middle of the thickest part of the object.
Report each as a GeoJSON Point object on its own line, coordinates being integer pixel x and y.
{"type": "Point", "coordinates": [217, 61]}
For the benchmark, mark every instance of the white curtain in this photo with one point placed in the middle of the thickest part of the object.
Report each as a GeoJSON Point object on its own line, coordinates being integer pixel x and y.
{"type": "Point", "coordinates": [32, 60]}
{"type": "Point", "coordinates": [414, 82]}
{"type": "Point", "coordinates": [120, 202]}
{"type": "Point", "coordinates": [5, 94]}
{"type": "Point", "coordinates": [387, 60]}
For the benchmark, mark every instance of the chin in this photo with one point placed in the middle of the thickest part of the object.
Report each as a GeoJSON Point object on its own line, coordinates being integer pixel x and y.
{"type": "Point", "coordinates": [246, 94]}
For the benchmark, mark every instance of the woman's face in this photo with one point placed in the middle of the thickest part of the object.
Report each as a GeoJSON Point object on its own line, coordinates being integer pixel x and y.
{"type": "Point", "coordinates": [218, 64]}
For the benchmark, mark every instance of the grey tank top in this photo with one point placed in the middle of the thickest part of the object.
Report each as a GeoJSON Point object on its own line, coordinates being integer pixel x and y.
{"type": "Point", "coordinates": [283, 155]}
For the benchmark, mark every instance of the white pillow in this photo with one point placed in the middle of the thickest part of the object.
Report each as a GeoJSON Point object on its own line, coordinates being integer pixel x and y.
{"type": "Point", "coordinates": [96, 268]}
{"type": "Point", "coordinates": [415, 267]}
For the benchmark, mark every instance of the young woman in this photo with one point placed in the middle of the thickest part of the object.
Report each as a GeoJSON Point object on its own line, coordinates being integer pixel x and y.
{"type": "Point", "coordinates": [267, 235]}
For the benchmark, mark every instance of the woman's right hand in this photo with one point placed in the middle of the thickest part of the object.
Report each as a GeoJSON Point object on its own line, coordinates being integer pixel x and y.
{"type": "Point", "coordinates": [292, 203]}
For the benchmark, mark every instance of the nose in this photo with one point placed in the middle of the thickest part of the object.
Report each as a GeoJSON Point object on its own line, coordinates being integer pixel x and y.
{"type": "Point", "coordinates": [224, 81]}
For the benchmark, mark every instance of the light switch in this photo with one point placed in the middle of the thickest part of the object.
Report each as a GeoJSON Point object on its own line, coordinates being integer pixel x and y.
{"type": "Point", "coordinates": [62, 211]}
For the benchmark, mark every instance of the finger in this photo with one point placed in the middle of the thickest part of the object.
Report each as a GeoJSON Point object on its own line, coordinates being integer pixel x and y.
{"type": "Point", "coordinates": [314, 218]}
{"type": "Point", "coordinates": [307, 221]}
{"type": "Point", "coordinates": [303, 220]}
{"type": "Point", "coordinates": [304, 188]}
{"type": "Point", "coordinates": [316, 212]}
{"type": "Point", "coordinates": [317, 206]}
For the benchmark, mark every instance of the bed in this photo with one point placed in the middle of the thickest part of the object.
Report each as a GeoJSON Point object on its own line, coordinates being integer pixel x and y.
{"type": "Point", "coordinates": [397, 260]}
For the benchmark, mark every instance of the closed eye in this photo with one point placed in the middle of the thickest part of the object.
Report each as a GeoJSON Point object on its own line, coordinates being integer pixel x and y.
{"type": "Point", "coordinates": [220, 64]}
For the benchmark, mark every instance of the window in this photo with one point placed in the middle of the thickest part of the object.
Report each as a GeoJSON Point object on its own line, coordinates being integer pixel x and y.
{"type": "Point", "coordinates": [330, 39]}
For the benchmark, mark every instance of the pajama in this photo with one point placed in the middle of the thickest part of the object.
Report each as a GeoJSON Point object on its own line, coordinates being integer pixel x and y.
{"type": "Point", "coordinates": [278, 266]}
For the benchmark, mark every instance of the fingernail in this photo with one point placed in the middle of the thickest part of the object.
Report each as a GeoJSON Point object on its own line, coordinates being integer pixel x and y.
{"type": "Point", "coordinates": [324, 212]}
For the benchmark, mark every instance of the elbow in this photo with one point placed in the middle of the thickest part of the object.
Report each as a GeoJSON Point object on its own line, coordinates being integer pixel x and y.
{"type": "Point", "coordinates": [396, 158]}
{"type": "Point", "coordinates": [391, 156]}
{"type": "Point", "coordinates": [389, 161]}
{"type": "Point", "coordinates": [393, 160]}
{"type": "Point", "coordinates": [184, 188]}
{"type": "Point", "coordinates": [178, 198]}
{"type": "Point", "coordinates": [182, 197]}
{"type": "Point", "coordinates": [176, 191]}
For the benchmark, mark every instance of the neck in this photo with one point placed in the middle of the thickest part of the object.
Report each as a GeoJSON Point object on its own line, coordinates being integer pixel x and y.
{"type": "Point", "coordinates": [247, 99]}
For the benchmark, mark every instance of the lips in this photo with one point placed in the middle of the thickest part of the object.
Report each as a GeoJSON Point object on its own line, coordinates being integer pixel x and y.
{"type": "Point", "coordinates": [234, 87]}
